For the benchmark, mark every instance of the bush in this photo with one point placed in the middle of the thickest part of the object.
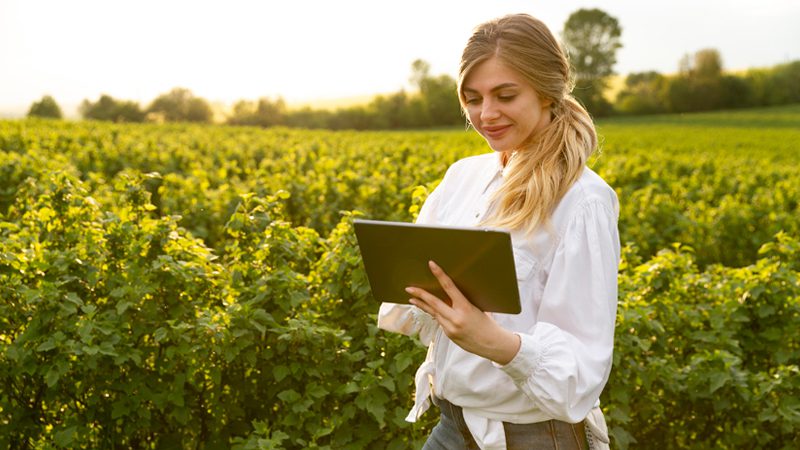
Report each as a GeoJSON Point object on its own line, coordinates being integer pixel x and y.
{"type": "Point", "coordinates": [107, 108]}
{"type": "Point", "coordinates": [121, 330]}
{"type": "Point", "coordinates": [707, 359]}
{"type": "Point", "coordinates": [180, 105]}
{"type": "Point", "coordinates": [185, 286]}
{"type": "Point", "coordinates": [46, 107]}
{"type": "Point", "coordinates": [642, 94]}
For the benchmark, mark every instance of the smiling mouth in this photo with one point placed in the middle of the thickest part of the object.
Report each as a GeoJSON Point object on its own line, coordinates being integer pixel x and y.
{"type": "Point", "coordinates": [496, 132]}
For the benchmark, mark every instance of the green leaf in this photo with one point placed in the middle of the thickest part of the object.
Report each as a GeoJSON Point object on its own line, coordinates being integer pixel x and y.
{"type": "Point", "coordinates": [74, 299]}
{"type": "Point", "coordinates": [120, 408]}
{"type": "Point", "coordinates": [388, 383]}
{"type": "Point", "coordinates": [280, 372]}
{"type": "Point", "coordinates": [402, 361]}
{"type": "Point", "coordinates": [123, 306]}
{"type": "Point", "coordinates": [289, 396]}
{"type": "Point", "coordinates": [52, 376]}
{"type": "Point", "coordinates": [160, 334]}
{"type": "Point", "coordinates": [717, 382]}
{"type": "Point", "coordinates": [118, 292]}
{"type": "Point", "coordinates": [316, 391]}
{"type": "Point", "coordinates": [65, 437]}
{"type": "Point", "coordinates": [376, 405]}
{"type": "Point", "coordinates": [46, 345]}
{"type": "Point", "coordinates": [89, 309]}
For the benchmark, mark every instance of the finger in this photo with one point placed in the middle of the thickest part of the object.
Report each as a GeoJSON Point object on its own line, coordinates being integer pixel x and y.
{"type": "Point", "coordinates": [428, 302]}
{"type": "Point", "coordinates": [422, 305]}
{"type": "Point", "coordinates": [447, 283]}
{"type": "Point", "coordinates": [425, 308]}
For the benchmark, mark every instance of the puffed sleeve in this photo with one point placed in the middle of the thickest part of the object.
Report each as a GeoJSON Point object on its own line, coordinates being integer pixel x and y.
{"type": "Point", "coordinates": [565, 359]}
{"type": "Point", "coordinates": [408, 319]}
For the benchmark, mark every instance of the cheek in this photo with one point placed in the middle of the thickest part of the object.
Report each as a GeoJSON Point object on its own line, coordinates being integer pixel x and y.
{"type": "Point", "coordinates": [533, 117]}
{"type": "Point", "coordinates": [542, 119]}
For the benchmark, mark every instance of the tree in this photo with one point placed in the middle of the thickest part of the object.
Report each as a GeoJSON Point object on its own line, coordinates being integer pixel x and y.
{"type": "Point", "coordinates": [643, 93]}
{"type": "Point", "coordinates": [353, 118]}
{"type": "Point", "coordinates": [705, 63]}
{"type": "Point", "coordinates": [785, 83]}
{"type": "Point", "coordinates": [708, 63]}
{"type": "Point", "coordinates": [264, 113]}
{"type": "Point", "coordinates": [180, 104]}
{"type": "Point", "coordinates": [420, 71]}
{"type": "Point", "coordinates": [700, 86]}
{"type": "Point", "coordinates": [46, 107]}
{"type": "Point", "coordinates": [307, 117]}
{"type": "Point", "coordinates": [439, 98]}
{"type": "Point", "coordinates": [592, 38]}
{"type": "Point", "coordinates": [107, 108]}
{"type": "Point", "coordinates": [244, 112]}
{"type": "Point", "coordinates": [198, 110]}
{"type": "Point", "coordinates": [391, 111]}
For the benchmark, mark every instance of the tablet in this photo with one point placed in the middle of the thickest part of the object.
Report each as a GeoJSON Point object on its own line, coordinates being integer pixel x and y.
{"type": "Point", "coordinates": [479, 260]}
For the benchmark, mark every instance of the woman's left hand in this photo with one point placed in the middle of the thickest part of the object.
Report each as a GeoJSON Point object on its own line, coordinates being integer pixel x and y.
{"type": "Point", "coordinates": [465, 324]}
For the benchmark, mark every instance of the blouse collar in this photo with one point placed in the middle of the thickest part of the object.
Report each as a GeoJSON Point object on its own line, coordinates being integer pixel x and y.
{"type": "Point", "coordinates": [494, 170]}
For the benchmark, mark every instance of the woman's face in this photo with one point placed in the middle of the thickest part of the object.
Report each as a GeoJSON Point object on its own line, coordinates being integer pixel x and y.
{"type": "Point", "coordinates": [502, 106]}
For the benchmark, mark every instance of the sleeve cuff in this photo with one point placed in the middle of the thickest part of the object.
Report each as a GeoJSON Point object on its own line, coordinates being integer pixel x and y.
{"type": "Point", "coordinates": [426, 325]}
{"type": "Point", "coordinates": [534, 351]}
{"type": "Point", "coordinates": [526, 361]}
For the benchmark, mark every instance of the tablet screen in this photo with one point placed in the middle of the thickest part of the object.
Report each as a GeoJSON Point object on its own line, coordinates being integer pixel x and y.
{"type": "Point", "coordinates": [480, 262]}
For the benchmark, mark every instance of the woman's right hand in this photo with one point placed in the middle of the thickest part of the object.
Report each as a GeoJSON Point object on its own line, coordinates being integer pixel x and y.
{"type": "Point", "coordinates": [465, 324]}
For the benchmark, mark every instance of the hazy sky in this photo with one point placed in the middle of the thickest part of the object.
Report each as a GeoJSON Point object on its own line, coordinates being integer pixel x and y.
{"type": "Point", "coordinates": [310, 49]}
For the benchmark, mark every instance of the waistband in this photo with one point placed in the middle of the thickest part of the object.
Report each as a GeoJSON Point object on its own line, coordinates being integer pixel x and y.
{"type": "Point", "coordinates": [575, 434]}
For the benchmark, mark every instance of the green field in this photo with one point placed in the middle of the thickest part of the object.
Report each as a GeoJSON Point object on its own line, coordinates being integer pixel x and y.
{"type": "Point", "coordinates": [191, 286]}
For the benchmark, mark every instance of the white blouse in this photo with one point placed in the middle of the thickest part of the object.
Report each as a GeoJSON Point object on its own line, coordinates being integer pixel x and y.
{"type": "Point", "coordinates": [567, 275]}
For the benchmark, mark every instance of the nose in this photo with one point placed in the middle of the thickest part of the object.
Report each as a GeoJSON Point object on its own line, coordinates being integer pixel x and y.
{"type": "Point", "coordinates": [489, 110]}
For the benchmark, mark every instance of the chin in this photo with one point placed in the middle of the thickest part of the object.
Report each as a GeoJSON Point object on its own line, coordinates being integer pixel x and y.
{"type": "Point", "coordinates": [500, 147]}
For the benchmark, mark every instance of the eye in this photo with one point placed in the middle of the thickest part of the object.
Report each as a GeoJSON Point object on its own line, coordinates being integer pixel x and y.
{"type": "Point", "coordinates": [472, 100]}
{"type": "Point", "coordinates": [506, 98]}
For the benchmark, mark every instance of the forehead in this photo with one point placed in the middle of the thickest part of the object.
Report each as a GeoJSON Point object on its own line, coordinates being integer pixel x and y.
{"type": "Point", "coordinates": [490, 74]}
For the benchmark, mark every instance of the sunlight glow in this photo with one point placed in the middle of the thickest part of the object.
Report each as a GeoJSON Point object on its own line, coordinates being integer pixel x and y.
{"type": "Point", "coordinates": [308, 50]}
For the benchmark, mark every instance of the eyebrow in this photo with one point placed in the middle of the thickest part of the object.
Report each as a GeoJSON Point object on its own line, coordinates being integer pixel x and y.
{"type": "Point", "coordinates": [499, 87]}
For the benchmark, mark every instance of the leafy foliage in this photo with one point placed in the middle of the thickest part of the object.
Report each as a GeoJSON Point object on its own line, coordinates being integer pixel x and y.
{"type": "Point", "coordinates": [180, 105]}
{"type": "Point", "coordinates": [592, 38]}
{"type": "Point", "coordinates": [180, 286]}
{"type": "Point", "coordinates": [711, 355]}
{"type": "Point", "coordinates": [110, 109]}
{"type": "Point", "coordinates": [46, 107]}
{"type": "Point", "coordinates": [701, 85]}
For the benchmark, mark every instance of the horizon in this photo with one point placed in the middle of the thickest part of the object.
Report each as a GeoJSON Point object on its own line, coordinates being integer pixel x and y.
{"type": "Point", "coordinates": [344, 53]}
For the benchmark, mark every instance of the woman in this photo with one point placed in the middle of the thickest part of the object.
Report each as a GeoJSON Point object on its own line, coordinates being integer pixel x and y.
{"type": "Point", "coordinates": [530, 380]}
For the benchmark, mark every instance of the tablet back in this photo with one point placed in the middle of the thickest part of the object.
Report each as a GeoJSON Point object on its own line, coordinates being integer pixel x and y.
{"type": "Point", "coordinates": [480, 262]}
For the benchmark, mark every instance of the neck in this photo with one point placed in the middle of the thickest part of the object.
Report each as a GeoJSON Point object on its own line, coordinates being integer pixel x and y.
{"type": "Point", "coordinates": [505, 157]}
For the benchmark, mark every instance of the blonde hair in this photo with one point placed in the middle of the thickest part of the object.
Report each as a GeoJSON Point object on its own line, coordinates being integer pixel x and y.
{"type": "Point", "coordinates": [541, 172]}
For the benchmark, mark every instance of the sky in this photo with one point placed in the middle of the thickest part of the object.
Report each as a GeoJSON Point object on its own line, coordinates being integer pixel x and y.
{"type": "Point", "coordinates": [308, 51]}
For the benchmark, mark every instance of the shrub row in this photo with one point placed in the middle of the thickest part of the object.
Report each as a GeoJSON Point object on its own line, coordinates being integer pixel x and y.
{"type": "Point", "coordinates": [180, 286]}
{"type": "Point", "coordinates": [123, 330]}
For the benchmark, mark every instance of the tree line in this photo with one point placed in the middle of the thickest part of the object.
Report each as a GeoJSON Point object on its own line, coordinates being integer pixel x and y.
{"type": "Point", "coordinates": [701, 85]}
{"type": "Point", "coordinates": [433, 103]}
{"type": "Point", "coordinates": [591, 37]}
